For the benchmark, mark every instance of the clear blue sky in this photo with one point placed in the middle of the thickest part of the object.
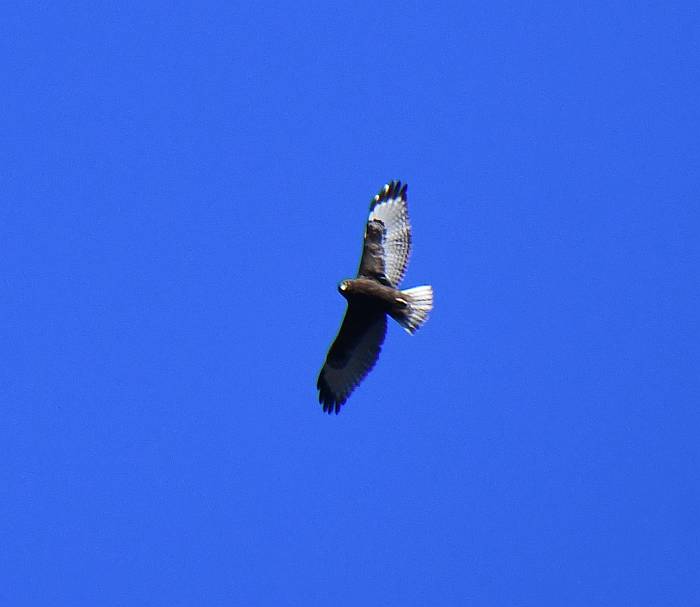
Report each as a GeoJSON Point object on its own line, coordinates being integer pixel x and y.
{"type": "Point", "coordinates": [181, 189]}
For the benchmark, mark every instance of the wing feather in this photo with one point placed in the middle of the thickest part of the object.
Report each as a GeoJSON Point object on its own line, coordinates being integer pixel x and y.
{"type": "Point", "coordinates": [387, 242]}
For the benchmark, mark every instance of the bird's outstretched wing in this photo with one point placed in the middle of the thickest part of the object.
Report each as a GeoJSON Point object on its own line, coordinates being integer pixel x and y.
{"type": "Point", "coordinates": [387, 243]}
{"type": "Point", "coordinates": [352, 355]}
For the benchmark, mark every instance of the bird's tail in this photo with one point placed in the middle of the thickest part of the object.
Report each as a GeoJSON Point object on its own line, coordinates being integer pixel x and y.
{"type": "Point", "coordinates": [420, 302]}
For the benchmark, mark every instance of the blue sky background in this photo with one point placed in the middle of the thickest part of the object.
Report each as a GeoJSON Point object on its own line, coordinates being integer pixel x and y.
{"type": "Point", "coordinates": [182, 187]}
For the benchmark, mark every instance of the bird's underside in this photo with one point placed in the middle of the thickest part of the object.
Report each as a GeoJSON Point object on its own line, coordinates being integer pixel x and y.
{"type": "Point", "coordinates": [373, 295]}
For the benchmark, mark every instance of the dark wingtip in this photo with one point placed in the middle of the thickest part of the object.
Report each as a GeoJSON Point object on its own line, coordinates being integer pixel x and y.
{"type": "Point", "coordinates": [330, 405]}
{"type": "Point", "coordinates": [327, 399]}
{"type": "Point", "coordinates": [393, 189]}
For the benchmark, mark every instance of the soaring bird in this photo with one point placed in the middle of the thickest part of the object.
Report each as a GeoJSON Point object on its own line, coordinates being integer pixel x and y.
{"type": "Point", "coordinates": [373, 295]}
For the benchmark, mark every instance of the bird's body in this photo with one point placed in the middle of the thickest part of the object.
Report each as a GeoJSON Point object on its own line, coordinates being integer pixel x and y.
{"type": "Point", "coordinates": [373, 295]}
{"type": "Point", "coordinates": [369, 292]}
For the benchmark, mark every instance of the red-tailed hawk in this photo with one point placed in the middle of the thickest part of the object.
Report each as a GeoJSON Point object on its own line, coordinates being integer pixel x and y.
{"type": "Point", "coordinates": [373, 295]}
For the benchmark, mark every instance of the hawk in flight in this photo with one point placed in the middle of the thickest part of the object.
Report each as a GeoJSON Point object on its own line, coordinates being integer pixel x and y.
{"type": "Point", "coordinates": [373, 295]}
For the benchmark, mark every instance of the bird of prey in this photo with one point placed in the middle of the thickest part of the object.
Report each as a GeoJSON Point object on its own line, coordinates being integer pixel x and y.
{"type": "Point", "coordinates": [373, 295]}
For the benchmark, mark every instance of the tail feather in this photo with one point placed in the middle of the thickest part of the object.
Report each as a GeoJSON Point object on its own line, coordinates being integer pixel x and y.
{"type": "Point", "coordinates": [420, 303]}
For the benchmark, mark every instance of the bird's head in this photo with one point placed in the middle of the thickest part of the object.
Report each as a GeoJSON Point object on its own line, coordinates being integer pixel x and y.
{"type": "Point", "coordinates": [344, 287]}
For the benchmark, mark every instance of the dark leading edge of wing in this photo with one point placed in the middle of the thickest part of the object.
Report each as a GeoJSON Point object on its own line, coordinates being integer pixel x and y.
{"type": "Point", "coordinates": [372, 262]}
{"type": "Point", "coordinates": [352, 355]}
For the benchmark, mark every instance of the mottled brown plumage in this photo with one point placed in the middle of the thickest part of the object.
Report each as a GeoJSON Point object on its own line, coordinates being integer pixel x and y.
{"type": "Point", "coordinates": [373, 295]}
